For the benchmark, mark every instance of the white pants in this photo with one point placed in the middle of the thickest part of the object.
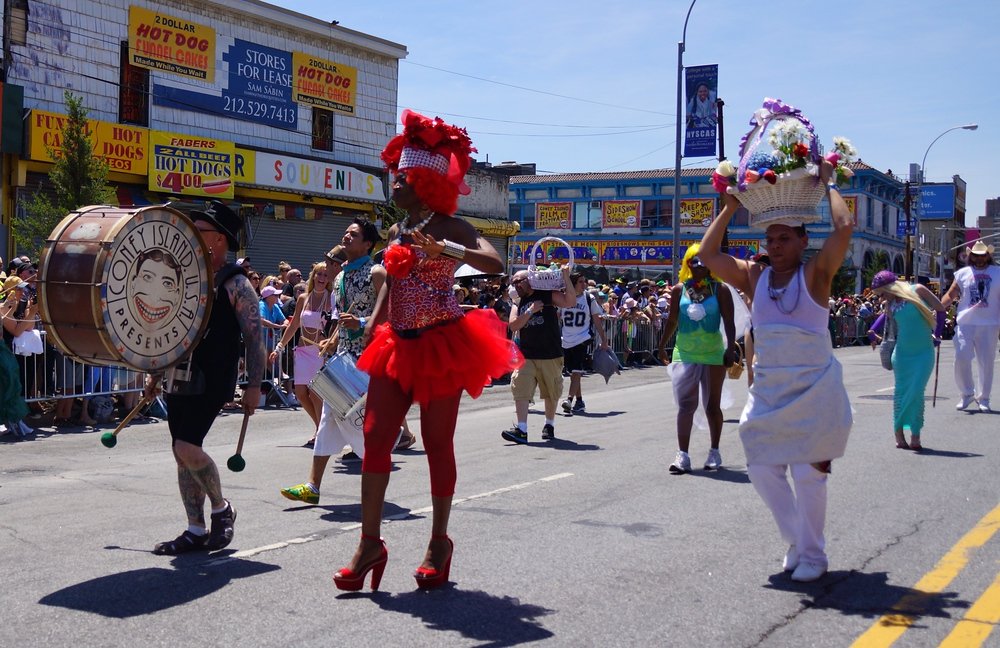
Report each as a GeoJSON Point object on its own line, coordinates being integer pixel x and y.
{"type": "Point", "coordinates": [981, 342]}
{"type": "Point", "coordinates": [800, 515]}
{"type": "Point", "coordinates": [334, 433]}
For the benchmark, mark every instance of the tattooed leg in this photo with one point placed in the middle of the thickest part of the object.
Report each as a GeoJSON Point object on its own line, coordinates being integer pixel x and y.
{"type": "Point", "coordinates": [208, 477]}
{"type": "Point", "coordinates": [192, 495]}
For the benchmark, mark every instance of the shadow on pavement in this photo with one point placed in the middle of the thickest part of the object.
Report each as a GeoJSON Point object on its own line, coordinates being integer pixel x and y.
{"type": "Point", "coordinates": [724, 475]}
{"type": "Point", "coordinates": [492, 621]}
{"type": "Point", "coordinates": [150, 590]}
{"type": "Point", "coordinates": [598, 415]}
{"type": "Point", "coordinates": [352, 512]}
{"type": "Point", "coordinates": [871, 596]}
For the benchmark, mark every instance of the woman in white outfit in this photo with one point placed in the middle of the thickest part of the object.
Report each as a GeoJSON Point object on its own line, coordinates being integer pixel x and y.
{"type": "Point", "coordinates": [797, 417]}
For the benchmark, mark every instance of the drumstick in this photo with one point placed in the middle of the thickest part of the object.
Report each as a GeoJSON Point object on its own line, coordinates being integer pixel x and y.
{"type": "Point", "coordinates": [937, 365]}
{"type": "Point", "coordinates": [237, 463]}
{"type": "Point", "coordinates": [110, 439]}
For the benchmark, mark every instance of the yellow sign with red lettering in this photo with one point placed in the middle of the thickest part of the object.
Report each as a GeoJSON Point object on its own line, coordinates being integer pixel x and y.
{"type": "Point", "coordinates": [323, 83]}
{"type": "Point", "coordinates": [191, 165]}
{"type": "Point", "coordinates": [621, 214]}
{"type": "Point", "coordinates": [554, 215]}
{"type": "Point", "coordinates": [158, 41]}
{"type": "Point", "coordinates": [697, 212]}
{"type": "Point", "coordinates": [124, 148]}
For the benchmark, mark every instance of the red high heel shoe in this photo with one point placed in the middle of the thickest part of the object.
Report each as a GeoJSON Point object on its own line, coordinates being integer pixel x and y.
{"type": "Point", "coordinates": [350, 581]}
{"type": "Point", "coordinates": [431, 577]}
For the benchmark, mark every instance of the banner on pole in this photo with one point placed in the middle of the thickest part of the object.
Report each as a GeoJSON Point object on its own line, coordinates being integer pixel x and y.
{"type": "Point", "coordinates": [701, 112]}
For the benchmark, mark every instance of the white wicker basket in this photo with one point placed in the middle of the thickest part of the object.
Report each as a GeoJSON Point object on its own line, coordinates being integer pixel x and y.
{"type": "Point", "coordinates": [545, 279]}
{"type": "Point", "coordinates": [796, 194]}
{"type": "Point", "coordinates": [794, 197]}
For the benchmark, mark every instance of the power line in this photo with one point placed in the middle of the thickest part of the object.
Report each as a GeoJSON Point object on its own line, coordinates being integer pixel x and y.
{"type": "Point", "coordinates": [544, 92]}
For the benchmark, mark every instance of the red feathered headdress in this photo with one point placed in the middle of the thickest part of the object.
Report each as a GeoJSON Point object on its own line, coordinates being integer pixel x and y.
{"type": "Point", "coordinates": [435, 156]}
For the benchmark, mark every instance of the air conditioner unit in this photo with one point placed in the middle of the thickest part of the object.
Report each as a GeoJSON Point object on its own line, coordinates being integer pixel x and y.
{"type": "Point", "coordinates": [595, 204]}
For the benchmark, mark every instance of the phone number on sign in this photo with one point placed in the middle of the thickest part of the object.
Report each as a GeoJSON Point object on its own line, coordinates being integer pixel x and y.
{"type": "Point", "coordinates": [272, 112]}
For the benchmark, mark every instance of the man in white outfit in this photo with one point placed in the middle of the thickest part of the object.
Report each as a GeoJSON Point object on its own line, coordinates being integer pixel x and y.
{"type": "Point", "coordinates": [355, 290]}
{"type": "Point", "coordinates": [978, 323]}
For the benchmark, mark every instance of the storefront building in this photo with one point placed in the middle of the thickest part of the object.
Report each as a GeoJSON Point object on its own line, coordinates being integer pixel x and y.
{"type": "Point", "coordinates": [274, 112]}
{"type": "Point", "coordinates": [624, 221]}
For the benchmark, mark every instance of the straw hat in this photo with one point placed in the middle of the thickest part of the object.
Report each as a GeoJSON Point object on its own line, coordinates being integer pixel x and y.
{"type": "Point", "coordinates": [979, 248]}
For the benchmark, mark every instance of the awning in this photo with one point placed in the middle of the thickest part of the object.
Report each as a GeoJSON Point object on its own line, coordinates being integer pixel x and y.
{"type": "Point", "coordinates": [493, 226]}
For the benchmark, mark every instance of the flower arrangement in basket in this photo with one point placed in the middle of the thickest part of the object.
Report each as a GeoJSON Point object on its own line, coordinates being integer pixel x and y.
{"type": "Point", "coordinates": [544, 278]}
{"type": "Point", "coordinates": [779, 182]}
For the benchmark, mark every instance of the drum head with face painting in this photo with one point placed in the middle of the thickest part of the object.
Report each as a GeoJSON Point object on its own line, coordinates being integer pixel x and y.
{"type": "Point", "coordinates": [155, 289]}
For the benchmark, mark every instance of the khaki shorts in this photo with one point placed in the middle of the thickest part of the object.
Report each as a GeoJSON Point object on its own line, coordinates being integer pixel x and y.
{"type": "Point", "coordinates": [546, 374]}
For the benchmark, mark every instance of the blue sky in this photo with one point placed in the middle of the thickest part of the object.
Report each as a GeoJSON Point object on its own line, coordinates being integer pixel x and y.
{"type": "Point", "coordinates": [590, 86]}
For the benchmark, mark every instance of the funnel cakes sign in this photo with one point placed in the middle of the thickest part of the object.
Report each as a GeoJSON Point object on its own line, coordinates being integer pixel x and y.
{"type": "Point", "coordinates": [155, 289]}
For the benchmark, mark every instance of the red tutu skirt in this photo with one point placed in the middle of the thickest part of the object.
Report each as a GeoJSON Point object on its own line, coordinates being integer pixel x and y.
{"type": "Point", "coordinates": [462, 355]}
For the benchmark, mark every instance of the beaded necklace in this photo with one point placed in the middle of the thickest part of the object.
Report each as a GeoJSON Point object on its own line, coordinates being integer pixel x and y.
{"type": "Point", "coordinates": [403, 229]}
{"type": "Point", "coordinates": [698, 290]}
{"type": "Point", "coordinates": [777, 295]}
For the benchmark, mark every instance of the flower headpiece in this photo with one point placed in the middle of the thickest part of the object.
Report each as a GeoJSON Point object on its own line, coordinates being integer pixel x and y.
{"type": "Point", "coordinates": [435, 157]}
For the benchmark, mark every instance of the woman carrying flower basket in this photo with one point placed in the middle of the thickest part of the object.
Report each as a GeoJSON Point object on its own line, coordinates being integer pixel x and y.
{"type": "Point", "coordinates": [797, 418]}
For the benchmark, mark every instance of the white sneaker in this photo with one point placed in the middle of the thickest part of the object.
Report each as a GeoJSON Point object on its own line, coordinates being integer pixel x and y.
{"type": "Point", "coordinates": [567, 405]}
{"type": "Point", "coordinates": [791, 560]}
{"type": "Point", "coordinates": [807, 572]}
{"type": "Point", "coordinates": [681, 465]}
{"type": "Point", "coordinates": [984, 406]}
{"type": "Point", "coordinates": [714, 461]}
{"type": "Point", "coordinates": [965, 402]}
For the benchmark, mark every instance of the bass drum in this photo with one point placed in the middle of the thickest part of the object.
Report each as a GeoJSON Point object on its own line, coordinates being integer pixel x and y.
{"type": "Point", "coordinates": [125, 286]}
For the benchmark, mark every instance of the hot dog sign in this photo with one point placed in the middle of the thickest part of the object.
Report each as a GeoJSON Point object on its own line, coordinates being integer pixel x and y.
{"type": "Point", "coordinates": [191, 165]}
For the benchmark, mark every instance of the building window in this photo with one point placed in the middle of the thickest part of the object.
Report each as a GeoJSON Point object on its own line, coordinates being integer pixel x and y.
{"type": "Point", "coordinates": [322, 129]}
{"type": "Point", "coordinates": [885, 218]}
{"type": "Point", "coordinates": [870, 214]}
{"type": "Point", "coordinates": [18, 22]}
{"type": "Point", "coordinates": [523, 214]}
{"type": "Point", "coordinates": [588, 215]}
{"type": "Point", "coordinates": [657, 213]}
{"type": "Point", "coordinates": [133, 92]}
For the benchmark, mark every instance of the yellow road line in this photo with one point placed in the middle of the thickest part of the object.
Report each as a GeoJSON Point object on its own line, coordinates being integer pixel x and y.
{"type": "Point", "coordinates": [978, 622]}
{"type": "Point", "coordinates": [890, 627]}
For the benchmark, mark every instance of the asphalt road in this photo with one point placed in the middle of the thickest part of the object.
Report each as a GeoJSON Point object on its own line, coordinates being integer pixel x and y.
{"type": "Point", "coordinates": [585, 541]}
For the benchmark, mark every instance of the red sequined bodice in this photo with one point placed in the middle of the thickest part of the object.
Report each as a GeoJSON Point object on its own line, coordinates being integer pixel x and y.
{"type": "Point", "coordinates": [425, 296]}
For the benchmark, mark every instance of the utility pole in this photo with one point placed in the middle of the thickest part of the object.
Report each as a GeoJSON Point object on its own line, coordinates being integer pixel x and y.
{"type": "Point", "coordinates": [719, 103]}
{"type": "Point", "coordinates": [908, 256]}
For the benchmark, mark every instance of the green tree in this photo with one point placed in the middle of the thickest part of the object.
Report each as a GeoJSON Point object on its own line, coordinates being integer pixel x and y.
{"type": "Point", "coordinates": [880, 261]}
{"type": "Point", "coordinates": [78, 178]}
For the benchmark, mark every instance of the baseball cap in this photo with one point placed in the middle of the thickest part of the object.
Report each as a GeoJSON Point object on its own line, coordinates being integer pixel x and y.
{"type": "Point", "coordinates": [269, 291]}
{"type": "Point", "coordinates": [243, 260]}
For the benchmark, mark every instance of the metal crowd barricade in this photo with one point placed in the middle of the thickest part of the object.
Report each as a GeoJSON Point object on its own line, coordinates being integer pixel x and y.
{"type": "Point", "coordinates": [631, 341]}
{"type": "Point", "coordinates": [850, 330]}
{"type": "Point", "coordinates": [52, 376]}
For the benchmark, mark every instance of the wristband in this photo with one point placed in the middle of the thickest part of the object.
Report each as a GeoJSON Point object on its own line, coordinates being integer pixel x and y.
{"type": "Point", "coordinates": [363, 321]}
{"type": "Point", "coordinates": [832, 186]}
{"type": "Point", "coordinates": [279, 347]}
{"type": "Point", "coordinates": [453, 250]}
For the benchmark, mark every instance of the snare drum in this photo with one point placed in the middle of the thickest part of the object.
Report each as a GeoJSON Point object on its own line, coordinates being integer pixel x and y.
{"type": "Point", "coordinates": [341, 385]}
{"type": "Point", "coordinates": [125, 286]}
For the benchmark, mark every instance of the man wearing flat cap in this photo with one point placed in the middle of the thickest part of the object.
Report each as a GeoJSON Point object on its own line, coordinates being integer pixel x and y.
{"type": "Point", "coordinates": [195, 402]}
{"type": "Point", "coordinates": [976, 290]}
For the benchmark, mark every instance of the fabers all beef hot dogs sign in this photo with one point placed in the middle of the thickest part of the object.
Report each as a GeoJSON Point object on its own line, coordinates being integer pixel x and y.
{"type": "Point", "coordinates": [191, 165]}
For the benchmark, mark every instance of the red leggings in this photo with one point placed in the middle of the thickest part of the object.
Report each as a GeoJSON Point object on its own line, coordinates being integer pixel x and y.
{"type": "Point", "coordinates": [384, 414]}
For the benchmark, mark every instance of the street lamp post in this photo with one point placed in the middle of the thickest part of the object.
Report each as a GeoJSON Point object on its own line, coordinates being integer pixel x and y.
{"type": "Point", "coordinates": [920, 198]}
{"type": "Point", "coordinates": [675, 249]}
